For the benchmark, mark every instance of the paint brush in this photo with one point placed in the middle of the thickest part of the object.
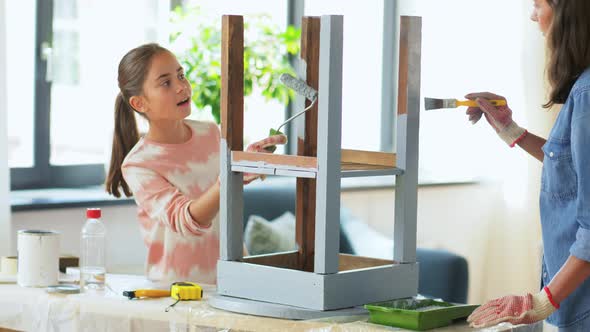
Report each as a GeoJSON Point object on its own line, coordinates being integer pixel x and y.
{"type": "Point", "coordinates": [434, 104]}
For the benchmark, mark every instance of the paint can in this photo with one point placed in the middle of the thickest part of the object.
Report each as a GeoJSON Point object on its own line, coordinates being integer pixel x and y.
{"type": "Point", "coordinates": [38, 258]}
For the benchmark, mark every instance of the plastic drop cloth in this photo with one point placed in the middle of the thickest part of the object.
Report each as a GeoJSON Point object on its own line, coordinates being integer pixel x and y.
{"type": "Point", "coordinates": [33, 309]}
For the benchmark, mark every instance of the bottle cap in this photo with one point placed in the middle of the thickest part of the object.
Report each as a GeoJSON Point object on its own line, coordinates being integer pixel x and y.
{"type": "Point", "coordinates": [93, 213]}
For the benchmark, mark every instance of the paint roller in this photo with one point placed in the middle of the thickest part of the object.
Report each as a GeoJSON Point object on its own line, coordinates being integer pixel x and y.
{"type": "Point", "coordinates": [302, 89]}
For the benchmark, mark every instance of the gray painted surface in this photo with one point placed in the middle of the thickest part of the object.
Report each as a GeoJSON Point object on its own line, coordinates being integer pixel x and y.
{"type": "Point", "coordinates": [316, 291]}
{"type": "Point", "coordinates": [389, 75]}
{"type": "Point", "coordinates": [371, 285]}
{"type": "Point", "coordinates": [379, 172]}
{"type": "Point", "coordinates": [270, 284]}
{"type": "Point", "coordinates": [264, 164]}
{"type": "Point", "coordinates": [282, 311]}
{"type": "Point", "coordinates": [327, 239]}
{"type": "Point", "coordinates": [253, 170]}
{"type": "Point", "coordinates": [299, 174]}
{"type": "Point", "coordinates": [231, 208]}
{"type": "Point", "coordinates": [272, 171]}
{"type": "Point", "coordinates": [404, 231]}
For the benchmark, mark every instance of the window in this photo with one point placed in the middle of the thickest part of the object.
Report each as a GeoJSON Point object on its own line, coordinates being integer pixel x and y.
{"type": "Point", "coordinates": [467, 46]}
{"type": "Point", "coordinates": [62, 86]}
{"type": "Point", "coordinates": [62, 67]}
{"type": "Point", "coordinates": [63, 57]}
{"type": "Point", "coordinates": [20, 46]}
{"type": "Point", "coordinates": [361, 69]}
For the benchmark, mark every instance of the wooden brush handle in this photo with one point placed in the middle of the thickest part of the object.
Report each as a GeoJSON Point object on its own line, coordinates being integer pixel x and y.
{"type": "Point", "coordinates": [472, 103]}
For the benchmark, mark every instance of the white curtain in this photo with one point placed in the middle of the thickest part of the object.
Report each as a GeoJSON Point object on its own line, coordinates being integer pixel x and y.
{"type": "Point", "coordinates": [515, 247]}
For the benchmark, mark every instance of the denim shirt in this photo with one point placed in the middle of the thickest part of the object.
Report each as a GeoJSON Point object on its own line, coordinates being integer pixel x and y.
{"type": "Point", "coordinates": [565, 198]}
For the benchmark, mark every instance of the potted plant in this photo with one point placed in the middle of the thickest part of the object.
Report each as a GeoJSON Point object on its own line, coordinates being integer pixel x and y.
{"type": "Point", "coordinates": [196, 39]}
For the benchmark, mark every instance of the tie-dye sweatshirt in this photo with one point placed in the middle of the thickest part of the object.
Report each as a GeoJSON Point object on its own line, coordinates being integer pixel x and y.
{"type": "Point", "coordinates": [164, 178]}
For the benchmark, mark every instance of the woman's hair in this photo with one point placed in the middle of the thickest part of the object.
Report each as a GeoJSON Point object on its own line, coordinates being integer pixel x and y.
{"type": "Point", "coordinates": [133, 70]}
{"type": "Point", "coordinates": [568, 44]}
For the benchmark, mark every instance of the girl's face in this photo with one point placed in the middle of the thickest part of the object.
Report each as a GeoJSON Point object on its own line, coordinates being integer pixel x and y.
{"type": "Point", "coordinates": [166, 91]}
{"type": "Point", "coordinates": [542, 14]}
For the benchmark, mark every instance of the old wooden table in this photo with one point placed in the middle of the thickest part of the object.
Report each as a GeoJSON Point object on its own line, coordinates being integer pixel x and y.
{"type": "Point", "coordinates": [33, 309]}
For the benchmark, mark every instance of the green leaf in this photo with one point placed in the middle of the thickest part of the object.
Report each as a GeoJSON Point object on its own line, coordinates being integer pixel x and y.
{"type": "Point", "coordinates": [265, 57]}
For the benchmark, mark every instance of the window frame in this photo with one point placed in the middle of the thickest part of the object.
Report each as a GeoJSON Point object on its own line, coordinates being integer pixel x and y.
{"type": "Point", "coordinates": [42, 174]}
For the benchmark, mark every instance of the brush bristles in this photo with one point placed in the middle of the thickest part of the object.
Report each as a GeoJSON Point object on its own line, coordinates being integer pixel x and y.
{"type": "Point", "coordinates": [434, 104]}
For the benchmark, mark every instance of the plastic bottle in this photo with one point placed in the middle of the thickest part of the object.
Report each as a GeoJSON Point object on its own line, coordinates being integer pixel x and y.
{"type": "Point", "coordinates": [92, 252]}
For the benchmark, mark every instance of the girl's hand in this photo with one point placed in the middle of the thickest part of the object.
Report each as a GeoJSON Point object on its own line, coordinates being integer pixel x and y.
{"type": "Point", "coordinates": [516, 310]}
{"type": "Point", "coordinates": [500, 118]}
{"type": "Point", "coordinates": [260, 146]}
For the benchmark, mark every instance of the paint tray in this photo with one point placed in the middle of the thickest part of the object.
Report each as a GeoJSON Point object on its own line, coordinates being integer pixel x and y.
{"type": "Point", "coordinates": [417, 314]}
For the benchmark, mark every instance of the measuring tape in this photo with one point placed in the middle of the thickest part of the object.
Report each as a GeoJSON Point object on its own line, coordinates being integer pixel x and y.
{"type": "Point", "coordinates": [180, 291]}
{"type": "Point", "coordinates": [185, 291]}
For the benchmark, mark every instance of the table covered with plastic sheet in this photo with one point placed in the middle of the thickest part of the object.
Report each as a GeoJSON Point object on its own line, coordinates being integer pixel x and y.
{"type": "Point", "coordinates": [33, 309]}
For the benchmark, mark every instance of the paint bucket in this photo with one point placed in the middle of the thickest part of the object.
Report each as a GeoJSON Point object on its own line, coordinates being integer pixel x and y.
{"type": "Point", "coordinates": [38, 258]}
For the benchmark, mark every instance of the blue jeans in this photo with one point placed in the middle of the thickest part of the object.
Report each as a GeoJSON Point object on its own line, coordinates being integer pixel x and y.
{"type": "Point", "coordinates": [580, 326]}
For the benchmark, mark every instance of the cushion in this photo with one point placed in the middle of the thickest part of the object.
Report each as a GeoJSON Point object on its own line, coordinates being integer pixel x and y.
{"type": "Point", "coordinates": [365, 241]}
{"type": "Point", "coordinates": [263, 237]}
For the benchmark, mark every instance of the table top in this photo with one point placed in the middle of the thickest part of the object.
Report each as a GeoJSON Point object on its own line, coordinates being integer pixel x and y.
{"type": "Point", "coordinates": [33, 309]}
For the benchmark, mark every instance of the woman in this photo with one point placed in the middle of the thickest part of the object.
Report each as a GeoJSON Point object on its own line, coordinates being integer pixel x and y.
{"type": "Point", "coordinates": [565, 184]}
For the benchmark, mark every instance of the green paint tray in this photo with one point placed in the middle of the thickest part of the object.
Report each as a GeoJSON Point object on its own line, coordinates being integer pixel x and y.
{"type": "Point", "coordinates": [417, 314]}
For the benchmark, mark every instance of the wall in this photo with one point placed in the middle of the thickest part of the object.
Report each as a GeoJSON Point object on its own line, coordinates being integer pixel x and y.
{"type": "Point", "coordinates": [458, 218]}
{"type": "Point", "coordinates": [125, 248]}
{"type": "Point", "coordinates": [4, 174]}
{"type": "Point", "coordinates": [454, 217]}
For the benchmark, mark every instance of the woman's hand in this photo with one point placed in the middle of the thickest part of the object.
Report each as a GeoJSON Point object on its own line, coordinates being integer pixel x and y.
{"type": "Point", "coordinates": [260, 146]}
{"type": "Point", "coordinates": [516, 310]}
{"type": "Point", "coordinates": [500, 118]}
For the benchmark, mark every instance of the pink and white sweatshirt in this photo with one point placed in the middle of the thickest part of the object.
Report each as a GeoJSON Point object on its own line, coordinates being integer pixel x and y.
{"type": "Point", "coordinates": [163, 179]}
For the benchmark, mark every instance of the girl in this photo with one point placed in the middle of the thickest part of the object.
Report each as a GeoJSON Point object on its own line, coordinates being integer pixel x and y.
{"type": "Point", "coordinates": [173, 170]}
{"type": "Point", "coordinates": [565, 183]}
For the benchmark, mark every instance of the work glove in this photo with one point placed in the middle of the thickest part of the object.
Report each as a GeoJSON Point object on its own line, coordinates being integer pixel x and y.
{"type": "Point", "coordinates": [260, 146]}
{"type": "Point", "coordinates": [500, 118]}
{"type": "Point", "coordinates": [516, 310]}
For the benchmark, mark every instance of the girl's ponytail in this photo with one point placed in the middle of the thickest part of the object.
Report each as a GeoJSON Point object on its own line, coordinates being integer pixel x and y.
{"type": "Point", "coordinates": [132, 73]}
{"type": "Point", "coordinates": [125, 136]}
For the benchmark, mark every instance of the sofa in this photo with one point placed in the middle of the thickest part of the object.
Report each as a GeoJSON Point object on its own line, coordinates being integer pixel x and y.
{"type": "Point", "coordinates": [442, 274]}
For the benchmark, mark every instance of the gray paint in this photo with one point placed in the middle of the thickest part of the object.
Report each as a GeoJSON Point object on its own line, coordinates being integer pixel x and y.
{"type": "Point", "coordinates": [406, 198]}
{"type": "Point", "coordinates": [316, 291]}
{"type": "Point", "coordinates": [273, 171]}
{"type": "Point", "coordinates": [270, 284]}
{"type": "Point", "coordinates": [379, 172]}
{"type": "Point", "coordinates": [231, 208]}
{"type": "Point", "coordinates": [299, 174]}
{"type": "Point", "coordinates": [376, 284]}
{"type": "Point", "coordinates": [327, 240]}
{"type": "Point", "coordinates": [282, 311]}
{"type": "Point", "coordinates": [389, 75]}
{"type": "Point", "coordinates": [295, 10]}
{"type": "Point", "coordinates": [253, 170]}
